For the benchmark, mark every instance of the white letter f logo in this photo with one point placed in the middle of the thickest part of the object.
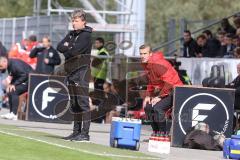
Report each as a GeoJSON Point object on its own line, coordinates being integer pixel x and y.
{"type": "Point", "coordinates": [195, 114]}
{"type": "Point", "coordinates": [46, 98]}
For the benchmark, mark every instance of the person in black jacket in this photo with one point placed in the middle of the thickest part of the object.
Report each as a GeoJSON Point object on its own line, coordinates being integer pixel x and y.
{"type": "Point", "coordinates": [76, 47]}
{"type": "Point", "coordinates": [204, 49]}
{"type": "Point", "coordinates": [227, 27]}
{"type": "Point", "coordinates": [227, 49]}
{"type": "Point", "coordinates": [47, 57]}
{"type": "Point", "coordinates": [19, 72]}
{"type": "Point", "coordinates": [213, 43]}
{"type": "Point", "coordinates": [190, 45]}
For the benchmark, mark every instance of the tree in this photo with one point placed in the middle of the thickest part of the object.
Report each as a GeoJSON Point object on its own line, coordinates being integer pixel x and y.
{"type": "Point", "coordinates": [16, 8]}
{"type": "Point", "coordinates": [160, 11]}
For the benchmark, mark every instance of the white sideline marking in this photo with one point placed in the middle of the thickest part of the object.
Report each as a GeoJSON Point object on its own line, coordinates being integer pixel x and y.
{"type": "Point", "coordinates": [75, 149]}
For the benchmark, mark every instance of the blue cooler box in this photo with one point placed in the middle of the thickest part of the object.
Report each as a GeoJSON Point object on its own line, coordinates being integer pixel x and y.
{"type": "Point", "coordinates": [231, 147]}
{"type": "Point", "coordinates": [125, 133]}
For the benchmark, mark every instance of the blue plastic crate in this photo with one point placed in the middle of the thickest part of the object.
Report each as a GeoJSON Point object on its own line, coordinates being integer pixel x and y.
{"type": "Point", "coordinates": [125, 133]}
{"type": "Point", "coordinates": [231, 148]}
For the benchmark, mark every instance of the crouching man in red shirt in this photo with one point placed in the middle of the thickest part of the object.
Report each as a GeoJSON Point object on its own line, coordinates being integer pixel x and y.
{"type": "Point", "coordinates": [162, 78]}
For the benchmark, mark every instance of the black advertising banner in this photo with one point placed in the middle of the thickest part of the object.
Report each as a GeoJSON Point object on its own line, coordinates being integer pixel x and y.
{"type": "Point", "coordinates": [212, 106]}
{"type": "Point", "coordinates": [48, 98]}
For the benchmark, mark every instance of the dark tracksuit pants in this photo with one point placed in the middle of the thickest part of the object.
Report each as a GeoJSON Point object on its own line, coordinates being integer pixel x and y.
{"type": "Point", "coordinates": [79, 93]}
{"type": "Point", "coordinates": [14, 96]}
{"type": "Point", "coordinates": [156, 114]}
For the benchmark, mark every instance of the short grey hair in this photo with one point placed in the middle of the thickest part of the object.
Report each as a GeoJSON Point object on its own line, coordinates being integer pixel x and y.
{"type": "Point", "coordinates": [79, 13]}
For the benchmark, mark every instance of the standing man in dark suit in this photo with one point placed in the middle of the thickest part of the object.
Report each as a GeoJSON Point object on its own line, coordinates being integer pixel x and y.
{"type": "Point", "coordinates": [76, 47]}
{"type": "Point", "coordinates": [19, 72]}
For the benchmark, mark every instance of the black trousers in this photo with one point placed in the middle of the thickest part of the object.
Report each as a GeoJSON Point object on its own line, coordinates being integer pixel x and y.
{"type": "Point", "coordinates": [156, 114]}
{"type": "Point", "coordinates": [14, 96]}
{"type": "Point", "coordinates": [78, 85]}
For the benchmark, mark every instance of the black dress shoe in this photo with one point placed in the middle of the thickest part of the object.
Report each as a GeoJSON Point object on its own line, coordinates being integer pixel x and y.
{"type": "Point", "coordinates": [71, 136]}
{"type": "Point", "coordinates": [81, 138]}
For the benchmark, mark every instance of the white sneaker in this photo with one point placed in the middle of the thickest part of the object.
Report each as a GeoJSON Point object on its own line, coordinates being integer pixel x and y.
{"type": "Point", "coordinates": [15, 118]}
{"type": "Point", "coordinates": [5, 115]}
{"type": "Point", "coordinates": [11, 116]}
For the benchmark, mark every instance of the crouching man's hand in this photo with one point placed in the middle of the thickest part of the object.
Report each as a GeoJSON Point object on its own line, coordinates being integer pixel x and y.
{"type": "Point", "coordinates": [10, 88]}
{"type": "Point", "coordinates": [155, 100]}
{"type": "Point", "coordinates": [146, 100]}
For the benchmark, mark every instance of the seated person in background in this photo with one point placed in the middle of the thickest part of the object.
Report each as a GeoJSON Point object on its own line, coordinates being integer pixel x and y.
{"type": "Point", "coordinates": [115, 111]}
{"type": "Point", "coordinates": [236, 41]}
{"type": "Point", "coordinates": [227, 27]}
{"type": "Point", "coordinates": [237, 52]}
{"type": "Point", "coordinates": [236, 85]}
{"type": "Point", "coordinates": [108, 100]}
{"type": "Point", "coordinates": [104, 103]}
{"type": "Point", "coordinates": [203, 48]}
{"type": "Point", "coordinates": [213, 44]}
{"type": "Point", "coordinates": [47, 56]}
{"type": "Point", "coordinates": [115, 89]}
{"type": "Point", "coordinates": [189, 45]}
{"type": "Point", "coordinates": [226, 50]}
{"type": "Point", "coordinates": [19, 72]}
{"type": "Point", "coordinates": [221, 38]}
{"type": "Point", "coordinates": [162, 78]}
{"type": "Point", "coordinates": [118, 89]}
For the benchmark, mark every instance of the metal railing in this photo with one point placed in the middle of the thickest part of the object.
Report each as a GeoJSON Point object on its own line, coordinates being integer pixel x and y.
{"type": "Point", "coordinates": [13, 30]}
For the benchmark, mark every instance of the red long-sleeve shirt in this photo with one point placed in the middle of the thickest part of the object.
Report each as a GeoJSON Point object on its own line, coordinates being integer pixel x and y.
{"type": "Point", "coordinates": [162, 76]}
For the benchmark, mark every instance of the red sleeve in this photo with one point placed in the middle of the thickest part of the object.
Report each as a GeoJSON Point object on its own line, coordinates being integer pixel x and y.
{"type": "Point", "coordinates": [150, 89]}
{"type": "Point", "coordinates": [168, 75]}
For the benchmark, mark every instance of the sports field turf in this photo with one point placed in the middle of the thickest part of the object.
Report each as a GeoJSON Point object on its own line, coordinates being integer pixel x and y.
{"type": "Point", "coordinates": [20, 144]}
{"type": "Point", "coordinates": [15, 148]}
